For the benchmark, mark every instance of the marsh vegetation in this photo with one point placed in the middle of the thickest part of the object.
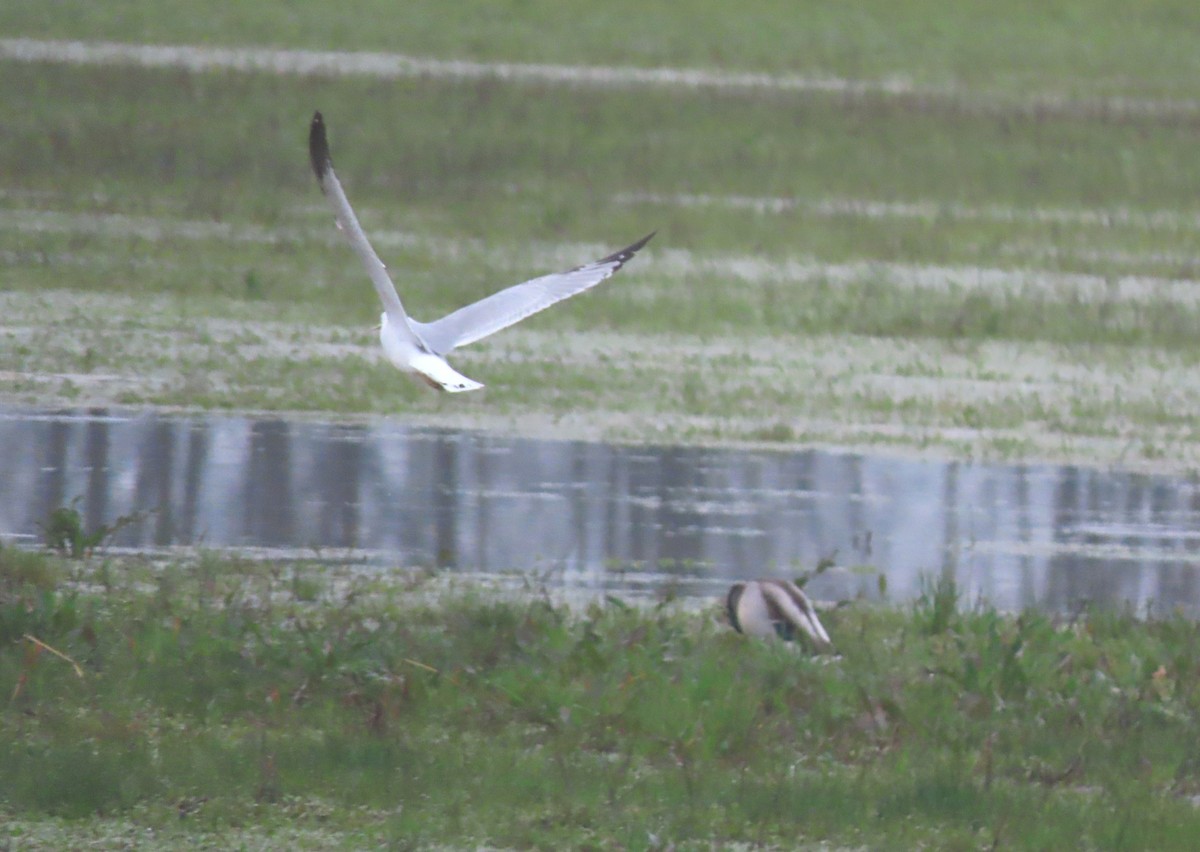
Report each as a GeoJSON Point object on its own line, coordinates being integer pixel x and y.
{"type": "Point", "coordinates": [219, 701]}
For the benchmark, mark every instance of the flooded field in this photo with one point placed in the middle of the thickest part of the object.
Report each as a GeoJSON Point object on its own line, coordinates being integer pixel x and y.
{"type": "Point", "coordinates": [912, 322]}
{"type": "Point", "coordinates": [595, 518]}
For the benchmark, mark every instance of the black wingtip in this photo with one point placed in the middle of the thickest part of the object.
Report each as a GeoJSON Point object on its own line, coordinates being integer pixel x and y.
{"type": "Point", "coordinates": [318, 147]}
{"type": "Point", "coordinates": [731, 599]}
{"type": "Point", "coordinates": [622, 256]}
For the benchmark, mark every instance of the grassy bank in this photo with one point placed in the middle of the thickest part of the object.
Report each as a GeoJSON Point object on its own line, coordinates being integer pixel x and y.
{"type": "Point", "coordinates": [219, 701]}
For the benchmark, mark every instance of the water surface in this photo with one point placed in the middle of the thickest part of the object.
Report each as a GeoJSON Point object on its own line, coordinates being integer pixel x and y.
{"type": "Point", "coordinates": [603, 518]}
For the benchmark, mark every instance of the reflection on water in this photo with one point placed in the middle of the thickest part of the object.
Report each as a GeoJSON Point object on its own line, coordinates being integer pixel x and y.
{"type": "Point", "coordinates": [625, 519]}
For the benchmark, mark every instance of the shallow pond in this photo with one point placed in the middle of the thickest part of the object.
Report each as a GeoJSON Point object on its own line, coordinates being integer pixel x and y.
{"type": "Point", "coordinates": [596, 518]}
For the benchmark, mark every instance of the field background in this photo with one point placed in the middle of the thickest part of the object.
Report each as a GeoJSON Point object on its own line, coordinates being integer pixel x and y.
{"type": "Point", "coordinates": [924, 227]}
{"type": "Point", "coordinates": [970, 230]}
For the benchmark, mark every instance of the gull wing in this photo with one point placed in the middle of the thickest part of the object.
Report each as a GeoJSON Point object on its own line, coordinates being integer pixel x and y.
{"type": "Point", "coordinates": [500, 310]}
{"type": "Point", "coordinates": [347, 222]}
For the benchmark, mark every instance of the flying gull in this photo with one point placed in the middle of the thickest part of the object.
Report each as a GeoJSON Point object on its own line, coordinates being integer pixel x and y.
{"type": "Point", "coordinates": [421, 347]}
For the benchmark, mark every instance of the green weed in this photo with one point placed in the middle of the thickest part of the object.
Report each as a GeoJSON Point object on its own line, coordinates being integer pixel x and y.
{"type": "Point", "coordinates": [64, 532]}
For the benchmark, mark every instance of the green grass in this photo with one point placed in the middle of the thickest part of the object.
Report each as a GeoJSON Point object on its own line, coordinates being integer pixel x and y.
{"type": "Point", "coordinates": [510, 176]}
{"type": "Point", "coordinates": [1066, 45]}
{"type": "Point", "coordinates": [220, 697]}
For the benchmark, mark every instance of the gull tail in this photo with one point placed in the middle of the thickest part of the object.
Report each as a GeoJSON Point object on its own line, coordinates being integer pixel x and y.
{"type": "Point", "coordinates": [439, 375]}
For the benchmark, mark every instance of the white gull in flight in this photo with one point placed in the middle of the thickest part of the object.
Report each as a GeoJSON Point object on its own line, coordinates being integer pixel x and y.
{"type": "Point", "coordinates": [420, 347]}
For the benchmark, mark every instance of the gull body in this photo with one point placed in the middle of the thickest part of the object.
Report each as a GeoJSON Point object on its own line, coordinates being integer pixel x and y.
{"type": "Point", "coordinates": [774, 609]}
{"type": "Point", "coordinates": [420, 348]}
